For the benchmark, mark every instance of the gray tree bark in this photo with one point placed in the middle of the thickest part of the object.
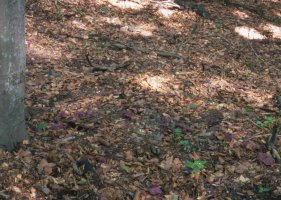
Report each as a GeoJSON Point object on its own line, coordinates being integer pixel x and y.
{"type": "Point", "coordinates": [12, 67]}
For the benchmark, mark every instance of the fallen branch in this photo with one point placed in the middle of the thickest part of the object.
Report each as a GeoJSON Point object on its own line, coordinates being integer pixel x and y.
{"type": "Point", "coordinates": [104, 68]}
{"type": "Point", "coordinates": [272, 140]}
{"type": "Point", "coordinates": [166, 54]}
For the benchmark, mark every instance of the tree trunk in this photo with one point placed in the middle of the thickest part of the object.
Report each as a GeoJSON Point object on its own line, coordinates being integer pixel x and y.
{"type": "Point", "coordinates": [12, 67]}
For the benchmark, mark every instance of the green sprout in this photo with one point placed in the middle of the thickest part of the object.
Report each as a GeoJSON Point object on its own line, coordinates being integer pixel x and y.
{"type": "Point", "coordinates": [193, 106]}
{"type": "Point", "coordinates": [124, 167]}
{"type": "Point", "coordinates": [259, 123]}
{"type": "Point", "coordinates": [218, 24]}
{"type": "Point", "coordinates": [41, 127]}
{"type": "Point", "coordinates": [178, 132]}
{"type": "Point", "coordinates": [98, 52]}
{"type": "Point", "coordinates": [263, 190]}
{"type": "Point", "coordinates": [266, 122]}
{"type": "Point", "coordinates": [248, 109]}
{"type": "Point", "coordinates": [269, 120]}
{"type": "Point", "coordinates": [197, 165]}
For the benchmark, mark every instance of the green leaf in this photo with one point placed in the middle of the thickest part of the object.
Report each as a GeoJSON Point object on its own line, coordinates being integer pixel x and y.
{"type": "Point", "coordinates": [199, 163]}
{"type": "Point", "coordinates": [41, 127]}
{"type": "Point", "coordinates": [124, 167]}
{"type": "Point", "coordinates": [259, 123]}
{"type": "Point", "coordinates": [98, 52]}
{"type": "Point", "coordinates": [269, 120]}
{"type": "Point", "coordinates": [189, 164]}
{"type": "Point", "coordinates": [193, 106]}
{"type": "Point", "coordinates": [196, 170]}
{"type": "Point", "coordinates": [263, 189]}
{"type": "Point", "coordinates": [249, 109]}
{"type": "Point", "coordinates": [178, 132]}
{"type": "Point", "coordinates": [218, 24]}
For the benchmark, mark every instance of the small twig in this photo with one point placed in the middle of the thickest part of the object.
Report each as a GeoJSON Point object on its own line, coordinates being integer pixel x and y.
{"type": "Point", "coordinates": [95, 67]}
{"type": "Point", "coordinates": [272, 139]}
{"type": "Point", "coordinates": [104, 68]}
{"type": "Point", "coordinates": [168, 54]}
{"type": "Point", "coordinates": [276, 155]}
{"type": "Point", "coordinates": [254, 123]}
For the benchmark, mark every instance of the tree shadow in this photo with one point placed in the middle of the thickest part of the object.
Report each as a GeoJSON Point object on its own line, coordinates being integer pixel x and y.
{"type": "Point", "coordinates": [209, 68]}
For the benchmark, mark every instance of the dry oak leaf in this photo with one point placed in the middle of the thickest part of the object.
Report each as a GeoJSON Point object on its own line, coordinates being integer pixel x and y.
{"type": "Point", "coordinates": [171, 163]}
{"type": "Point", "coordinates": [45, 167]}
{"type": "Point", "coordinates": [241, 179]}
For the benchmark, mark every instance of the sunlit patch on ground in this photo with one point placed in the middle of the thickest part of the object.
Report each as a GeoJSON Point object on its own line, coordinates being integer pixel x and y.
{"type": "Point", "coordinates": [165, 12]}
{"type": "Point", "coordinates": [217, 86]}
{"type": "Point", "coordinates": [80, 25]}
{"type": "Point", "coordinates": [158, 83]}
{"type": "Point", "coordinates": [74, 2]}
{"type": "Point", "coordinates": [114, 20]}
{"type": "Point", "coordinates": [126, 4]}
{"type": "Point", "coordinates": [240, 14]}
{"type": "Point", "coordinates": [140, 29]}
{"type": "Point", "coordinates": [274, 30]}
{"type": "Point", "coordinates": [249, 33]}
{"type": "Point", "coordinates": [45, 52]}
{"type": "Point", "coordinates": [127, 115]}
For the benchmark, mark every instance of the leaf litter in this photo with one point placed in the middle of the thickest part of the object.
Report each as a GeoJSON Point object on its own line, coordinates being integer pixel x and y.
{"type": "Point", "coordinates": [126, 103]}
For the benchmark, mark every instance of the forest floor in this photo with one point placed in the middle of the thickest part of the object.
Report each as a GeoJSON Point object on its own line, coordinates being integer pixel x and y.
{"type": "Point", "coordinates": [148, 100]}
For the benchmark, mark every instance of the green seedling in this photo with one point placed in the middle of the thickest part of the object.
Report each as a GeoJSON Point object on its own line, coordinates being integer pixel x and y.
{"type": "Point", "coordinates": [197, 165]}
{"type": "Point", "coordinates": [269, 120]}
{"type": "Point", "coordinates": [259, 123]}
{"type": "Point", "coordinates": [187, 146]}
{"type": "Point", "coordinates": [248, 109]}
{"type": "Point", "coordinates": [193, 106]}
{"type": "Point", "coordinates": [178, 132]}
{"type": "Point", "coordinates": [218, 24]}
{"type": "Point", "coordinates": [266, 122]}
{"type": "Point", "coordinates": [98, 52]}
{"type": "Point", "coordinates": [124, 167]}
{"type": "Point", "coordinates": [263, 190]}
{"type": "Point", "coordinates": [41, 127]}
